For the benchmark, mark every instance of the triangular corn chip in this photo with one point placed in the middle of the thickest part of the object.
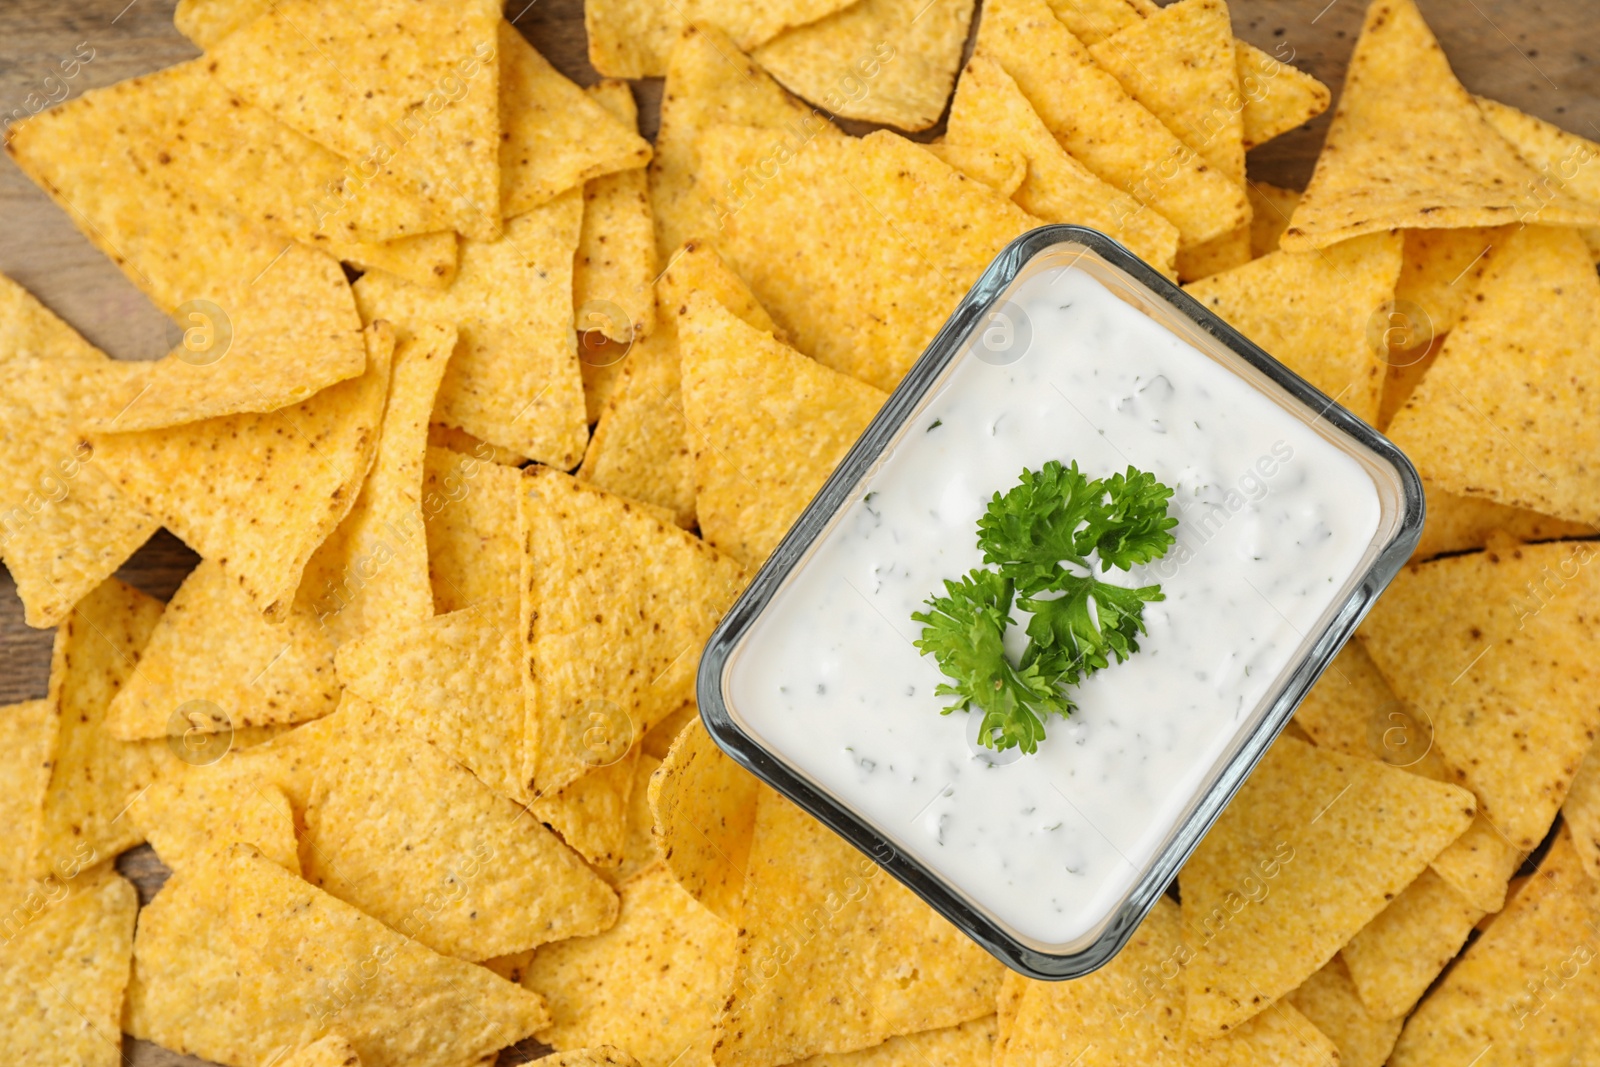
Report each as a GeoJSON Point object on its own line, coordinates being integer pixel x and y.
{"type": "Point", "coordinates": [1443, 636]}
{"type": "Point", "coordinates": [193, 814]}
{"type": "Point", "coordinates": [599, 573]}
{"type": "Point", "coordinates": [1316, 828]}
{"type": "Point", "coordinates": [270, 487]}
{"type": "Point", "coordinates": [454, 680]}
{"type": "Point", "coordinates": [331, 1051]}
{"type": "Point", "coordinates": [635, 38]}
{"type": "Point", "coordinates": [1441, 271]}
{"type": "Point", "coordinates": [469, 510]}
{"type": "Point", "coordinates": [1001, 169]}
{"type": "Point", "coordinates": [709, 81]}
{"type": "Point", "coordinates": [882, 964]}
{"type": "Point", "coordinates": [412, 89]}
{"type": "Point", "coordinates": [599, 357]}
{"type": "Point", "coordinates": [1396, 956]}
{"type": "Point", "coordinates": [604, 1056]}
{"type": "Point", "coordinates": [874, 200]}
{"type": "Point", "coordinates": [697, 268]}
{"type": "Point", "coordinates": [514, 380]}
{"type": "Point", "coordinates": [284, 929]}
{"type": "Point", "coordinates": [1564, 160]}
{"type": "Point", "coordinates": [1506, 412]}
{"type": "Point", "coordinates": [555, 136]}
{"type": "Point", "coordinates": [705, 810]}
{"type": "Point", "coordinates": [1581, 810]}
{"type": "Point", "coordinates": [614, 274]}
{"type": "Point", "coordinates": [767, 426]}
{"type": "Point", "coordinates": [63, 976]}
{"type": "Point", "coordinates": [591, 812]}
{"type": "Point", "coordinates": [653, 983]}
{"type": "Point", "coordinates": [459, 440]}
{"type": "Point", "coordinates": [1270, 211]}
{"type": "Point", "coordinates": [1404, 116]}
{"type": "Point", "coordinates": [372, 571]}
{"type": "Point", "coordinates": [1092, 21]}
{"type": "Point", "coordinates": [1132, 1012]}
{"type": "Point", "coordinates": [884, 61]}
{"type": "Point", "coordinates": [969, 1045]}
{"type": "Point", "coordinates": [1277, 96]}
{"type": "Point", "coordinates": [26, 735]}
{"type": "Point", "coordinates": [1312, 311]}
{"type": "Point", "coordinates": [1522, 992]}
{"type": "Point", "coordinates": [1329, 1001]}
{"type": "Point", "coordinates": [63, 526]}
{"type": "Point", "coordinates": [473, 875]}
{"type": "Point", "coordinates": [990, 110]}
{"type": "Point", "coordinates": [639, 848]}
{"type": "Point", "coordinates": [660, 738]}
{"type": "Point", "coordinates": [205, 22]}
{"type": "Point", "coordinates": [213, 646]}
{"type": "Point", "coordinates": [1457, 523]}
{"type": "Point", "coordinates": [1104, 128]}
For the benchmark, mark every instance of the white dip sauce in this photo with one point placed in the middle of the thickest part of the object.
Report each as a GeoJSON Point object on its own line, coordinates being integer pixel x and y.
{"type": "Point", "coordinates": [1273, 520]}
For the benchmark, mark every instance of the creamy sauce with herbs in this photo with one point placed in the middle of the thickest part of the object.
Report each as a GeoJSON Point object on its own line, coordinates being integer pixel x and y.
{"type": "Point", "coordinates": [1273, 520]}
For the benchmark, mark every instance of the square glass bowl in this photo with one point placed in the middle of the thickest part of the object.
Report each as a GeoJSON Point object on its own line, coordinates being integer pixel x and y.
{"type": "Point", "coordinates": [1031, 856]}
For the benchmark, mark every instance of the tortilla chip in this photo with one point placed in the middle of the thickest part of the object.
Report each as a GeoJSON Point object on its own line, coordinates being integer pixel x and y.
{"type": "Point", "coordinates": [639, 848]}
{"type": "Point", "coordinates": [1270, 210]}
{"type": "Point", "coordinates": [469, 511]}
{"type": "Point", "coordinates": [458, 440]}
{"type": "Point", "coordinates": [454, 680]}
{"type": "Point", "coordinates": [1521, 992]}
{"type": "Point", "coordinates": [372, 571]}
{"type": "Point", "coordinates": [1277, 96]}
{"type": "Point", "coordinates": [1504, 413]}
{"type": "Point", "coordinates": [1440, 272]}
{"type": "Point", "coordinates": [1092, 21]}
{"type": "Point", "coordinates": [556, 136]}
{"type": "Point", "coordinates": [969, 1045]}
{"type": "Point", "coordinates": [1328, 999]}
{"type": "Point", "coordinates": [284, 929]}
{"type": "Point", "coordinates": [205, 22]}
{"type": "Point", "coordinates": [401, 831]}
{"type": "Point", "coordinates": [1564, 160]}
{"type": "Point", "coordinates": [635, 38]}
{"type": "Point", "coordinates": [1581, 810]}
{"type": "Point", "coordinates": [411, 90]}
{"type": "Point", "coordinates": [767, 426]}
{"type": "Point", "coordinates": [1479, 863]}
{"type": "Point", "coordinates": [880, 965]}
{"type": "Point", "coordinates": [591, 813]}
{"type": "Point", "coordinates": [601, 359]}
{"type": "Point", "coordinates": [93, 775]}
{"type": "Point", "coordinates": [705, 810]}
{"type": "Point", "coordinates": [1001, 169]}
{"type": "Point", "coordinates": [259, 492]}
{"type": "Point", "coordinates": [1397, 955]}
{"type": "Point", "coordinates": [599, 574]}
{"type": "Point", "coordinates": [213, 646]}
{"type": "Point", "coordinates": [63, 526]}
{"type": "Point", "coordinates": [710, 81]}
{"type": "Point", "coordinates": [1403, 115]}
{"type": "Point", "coordinates": [990, 110]}
{"type": "Point", "coordinates": [1301, 859]}
{"type": "Point", "coordinates": [1313, 312]}
{"type": "Point", "coordinates": [661, 737]}
{"type": "Point", "coordinates": [331, 1051]}
{"type": "Point", "coordinates": [26, 734]}
{"type": "Point", "coordinates": [194, 814]}
{"type": "Point", "coordinates": [514, 379]}
{"type": "Point", "coordinates": [884, 61]}
{"type": "Point", "coordinates": [1211, 257]}
{"type": "Point", "coordinates": [613, 276]}
{"type": "Point", "coordinates": [877, 200]}
{"type": "Point", "coordinates": [1132, 1012]}
{"type": "Point", "coordinates": [697, 268]}
{"type": "Point", "coordinates": [63, 977]}
{"type": "Point", "coordinates": [1105, 129]}
{"type": "Point", "coordinates": [1013, 988]}
{"type": "Point", "coordinates": [652, 983]}
{"type": "Point", "coordinates": [604, 1056]}
{"type": "Point", "coordinates": [1458, 523]}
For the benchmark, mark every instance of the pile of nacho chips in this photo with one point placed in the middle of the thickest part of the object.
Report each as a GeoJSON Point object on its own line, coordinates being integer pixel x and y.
{"type": "Point", "coordinates": [484, 410]}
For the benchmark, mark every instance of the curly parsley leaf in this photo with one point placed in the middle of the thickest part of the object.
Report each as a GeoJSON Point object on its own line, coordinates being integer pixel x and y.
{"type": "Point", "coordinates": [964, 631]}
{"type": "Point", "coordinates": [1132, 527]}
{"type": "Point", "coordinates": [1077, 633]}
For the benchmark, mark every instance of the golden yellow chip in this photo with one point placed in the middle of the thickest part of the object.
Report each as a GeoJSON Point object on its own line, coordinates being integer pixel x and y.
{"type": "Point", "coordinates": [696, 267]}
{"type": "Point", "coordinates": [63, 976]}
{"type": "Point", "coordinates": [604, 1056]}
{"type": "Point", "coordinates": [401, 831]}
{"type": "Point", "coordinates": [635, 38]}
{"type": "Point", "coordinates": [1270, 210]}
{"type": "Point", "coordinates": [330, 1051]}
{"type": "Point", "coordinates": [767, 426]}
{"type": "Point", "coordinates": [1479, 864]}
{"type": "Point", "coordinates": [1457, 523]}
{"type": "Point", "coordinates": [598, 574]}
{"type": "Point", "coordinates": [26, 734]}
{"type": "Point", "coordinates": [194, 813]}
{"type": "Point", "coordinates": [469, 510]}
{"type": "Point", "coordinates": [514, 379]}
{"type": "Point", "coordinates": [458, 440]}
{"type": "Point", "coordinates": [1301, 859]}
{"type": "Point", "coordinates": [1313, 312]}
{"type": "Point", "coordinates": [284, 929]}
{"type": "Point", "coordinates": [1277, 96]}
{"type": "Point", "coordinates": [591, 812]}
{"type": "Point", "coordinates": [652, 984]}
{"type": "Point", "coordinates": [1562, 159]}
{"type": "Point", "coordinates": [454, 680]}
{"type": "Point", "coordinates": [665, 733]}
{"type": "Point", "coordinates": [413, 91]}
{"type": "Point", "coordinates": [1396, 956]}
{"type": "Point", "coordinates": [63, 526]}
{"type": "Point", "coordinates": [879, 964]}
{"type": "Point", "coordinates": [213, 649]}
{"type": "Point", "coordinates": [704, 805]}
{"type": "Point", "coordinates": [372, 571]}
{"type": "Point", "coordinates": [1092, 21]}
{"type": "Point", "coordinates": [969, 1045]}
{"type": "Point", "coordinates": [1409, 148]}
{"type": "Point", "coordinates": [614, 274]}
{"type": "Point", "coordinates": [1504, 412]}
{"type": "Point", "coordinates": [1581, 810]}
{"type": "Point", "coordinates": [1521, 993]}
{"type": "Point", "coordinates": [884, 61]}
{"type": "Point", "coordinates": [1328, 999]}
{"type": "Point", "coordinates": [1441, 270]}
{"type": "Point", "coordinates": [639, 848]}
{"type": "Point", "coordinates": [205, 22]}
{"type": "Point", "coordinates": [1001, 169]}
{"type": "Point", "coordinates": [990, 111]}
{"type": "Point", "coordinates": [1013, 987]}
{"type": "Point", "coordinates": [556, 137]}
{"type": "Point", "coordinates": [601, 359]}
{"type": "Point", "coordinates": [1104, 128]}
{"type": "Point", "coordinates": [878, 200]}
{"type": "Point", "coordinates": [259, 492]}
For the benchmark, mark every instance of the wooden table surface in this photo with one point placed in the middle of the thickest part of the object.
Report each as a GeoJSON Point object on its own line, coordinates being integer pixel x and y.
{"type": "Point", "coordinates": [1542, 56]}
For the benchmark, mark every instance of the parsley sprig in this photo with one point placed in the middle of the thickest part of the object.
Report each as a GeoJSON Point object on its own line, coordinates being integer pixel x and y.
{"type": "Point", "coordinates": [1044, 537]}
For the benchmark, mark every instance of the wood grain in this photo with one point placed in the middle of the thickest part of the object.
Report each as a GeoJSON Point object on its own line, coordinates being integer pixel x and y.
{"type": "Point", "coordinates": [1540, 55]}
